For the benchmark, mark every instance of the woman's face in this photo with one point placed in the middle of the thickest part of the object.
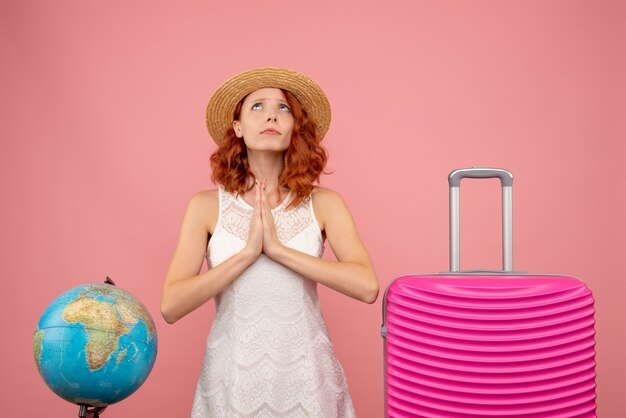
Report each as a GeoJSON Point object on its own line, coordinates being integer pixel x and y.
{"type": "Point", "coordinates": [266, 121]}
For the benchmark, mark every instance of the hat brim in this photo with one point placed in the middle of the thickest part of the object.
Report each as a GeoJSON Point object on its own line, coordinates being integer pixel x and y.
{"type": "Point", "coordinates": [221, 108]}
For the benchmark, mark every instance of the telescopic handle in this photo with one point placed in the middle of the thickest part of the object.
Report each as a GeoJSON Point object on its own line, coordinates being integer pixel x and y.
{"type": "Point", "coordinates": [506, 181]}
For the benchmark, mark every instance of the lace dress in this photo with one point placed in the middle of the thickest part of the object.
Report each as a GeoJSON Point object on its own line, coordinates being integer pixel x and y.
{"type": "Point", "coordinates": [268, 352]}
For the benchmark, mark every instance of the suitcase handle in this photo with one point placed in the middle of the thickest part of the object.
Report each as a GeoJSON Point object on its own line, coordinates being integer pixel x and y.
{"type": "Point", "coordinates": [506, 181]}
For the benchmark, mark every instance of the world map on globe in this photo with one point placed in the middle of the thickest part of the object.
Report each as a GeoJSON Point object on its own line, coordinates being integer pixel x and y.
{"type": "Point", "coordinates": [95, 345]}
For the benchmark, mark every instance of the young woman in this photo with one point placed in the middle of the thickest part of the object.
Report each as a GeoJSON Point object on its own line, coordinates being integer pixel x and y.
{"type": "Point", "coordinates": [268, 352]}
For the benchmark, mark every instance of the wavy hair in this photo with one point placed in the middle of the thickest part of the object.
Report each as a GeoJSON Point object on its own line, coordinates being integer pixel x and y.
{"type": "Point", "coordinates": [304, 159]}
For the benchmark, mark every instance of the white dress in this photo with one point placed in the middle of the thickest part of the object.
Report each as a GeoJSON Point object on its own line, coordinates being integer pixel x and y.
{"type": "Point", "coordinates": [268, 352]}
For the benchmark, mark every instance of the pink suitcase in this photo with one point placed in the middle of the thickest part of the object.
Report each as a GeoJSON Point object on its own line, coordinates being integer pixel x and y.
{"type": "Point", "coordinates": [488, 344]}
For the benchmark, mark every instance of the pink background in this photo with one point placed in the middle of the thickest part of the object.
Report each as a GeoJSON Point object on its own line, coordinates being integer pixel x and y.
{"type": "Point", "coordinates": [103, 142]}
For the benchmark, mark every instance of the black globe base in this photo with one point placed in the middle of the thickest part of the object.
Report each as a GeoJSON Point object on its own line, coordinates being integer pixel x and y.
{"type": "Point", "coordinates": [87, 411]}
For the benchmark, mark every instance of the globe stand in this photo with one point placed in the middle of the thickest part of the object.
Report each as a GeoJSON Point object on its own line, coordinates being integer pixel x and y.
{"type": "Point", "coordinates": [85, 412]}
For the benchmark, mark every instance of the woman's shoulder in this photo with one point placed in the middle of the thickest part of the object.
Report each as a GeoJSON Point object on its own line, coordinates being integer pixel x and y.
{"type": "Point", "coordinates": [204, 201]}
{"type": "Point", "coordinates": [325, 195]}
{"type": "Point", "coordinates": [329, 207]}
{"type": "Point", "coordinates": [326, 200]}
{"type": "Point", "coordinates": [204, 197]}
{"type": "Point", "coordinates": [203, 206]}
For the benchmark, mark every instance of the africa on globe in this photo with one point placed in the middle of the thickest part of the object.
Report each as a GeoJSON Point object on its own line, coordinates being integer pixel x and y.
{"type": "Point", "coordinates": [95, 345]}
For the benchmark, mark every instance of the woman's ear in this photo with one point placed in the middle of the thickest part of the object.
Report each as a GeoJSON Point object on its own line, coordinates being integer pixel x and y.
{"type": "Point", "coordinates": [237, 128]}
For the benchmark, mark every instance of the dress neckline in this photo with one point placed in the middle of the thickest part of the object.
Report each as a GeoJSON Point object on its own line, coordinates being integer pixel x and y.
{"type": "Point", "coordinates": [287, 198]}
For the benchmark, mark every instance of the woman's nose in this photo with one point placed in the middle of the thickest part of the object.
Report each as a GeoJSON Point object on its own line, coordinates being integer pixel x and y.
{"type": "Point", "coordinates": [271, 115]}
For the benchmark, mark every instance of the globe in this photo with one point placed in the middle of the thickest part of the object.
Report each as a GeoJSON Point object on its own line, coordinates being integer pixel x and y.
{"type": "Point", "coordinates": [95, 345]}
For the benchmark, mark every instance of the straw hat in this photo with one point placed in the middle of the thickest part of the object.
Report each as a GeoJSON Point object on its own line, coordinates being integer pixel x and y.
{"type": "Point", "coordinates": [221, 107]}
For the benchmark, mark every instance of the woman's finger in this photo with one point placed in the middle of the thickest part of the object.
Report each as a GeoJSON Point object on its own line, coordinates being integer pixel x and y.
{"type": "Point", "coordinates": [263, 198]}
{"type": "Point", "coordinates": [270, 240]}
{"type": "Point", "coordinates": [255, 233]}
{"type": "Point", "coordinates": [268, 219]}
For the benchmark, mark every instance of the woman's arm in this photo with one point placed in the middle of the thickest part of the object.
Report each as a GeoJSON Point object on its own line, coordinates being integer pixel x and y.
{"type": "Point", "coordinates": [185, 289]}
{"type": "Point", "coordinates": [352, 274]}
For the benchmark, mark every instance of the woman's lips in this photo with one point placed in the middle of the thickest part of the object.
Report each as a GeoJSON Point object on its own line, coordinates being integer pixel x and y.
{"type": "Point", "coordinates": [271, 131]}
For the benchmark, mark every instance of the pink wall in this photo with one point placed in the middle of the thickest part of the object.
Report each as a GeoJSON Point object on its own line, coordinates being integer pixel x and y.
{"type": "Point", "coordinates": [103, 142]}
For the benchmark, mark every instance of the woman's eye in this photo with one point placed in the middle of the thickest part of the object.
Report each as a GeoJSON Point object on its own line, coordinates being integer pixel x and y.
{"type": "Point", "coordinates": [284, 108]}
{"type": "Point", "coordinates": [256, 106]}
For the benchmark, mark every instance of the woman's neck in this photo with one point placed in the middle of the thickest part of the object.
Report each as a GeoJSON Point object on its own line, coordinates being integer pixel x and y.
{"type": "Point", "coordinates": [266, 167]}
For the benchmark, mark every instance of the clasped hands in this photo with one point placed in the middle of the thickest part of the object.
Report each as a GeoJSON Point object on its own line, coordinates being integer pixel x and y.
{"type": "Point", "coordinates": [262, 236]}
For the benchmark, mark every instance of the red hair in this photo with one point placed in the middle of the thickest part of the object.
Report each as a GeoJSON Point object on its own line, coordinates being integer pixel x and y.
{"type": "Point", "coordinates": [305, 158]}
